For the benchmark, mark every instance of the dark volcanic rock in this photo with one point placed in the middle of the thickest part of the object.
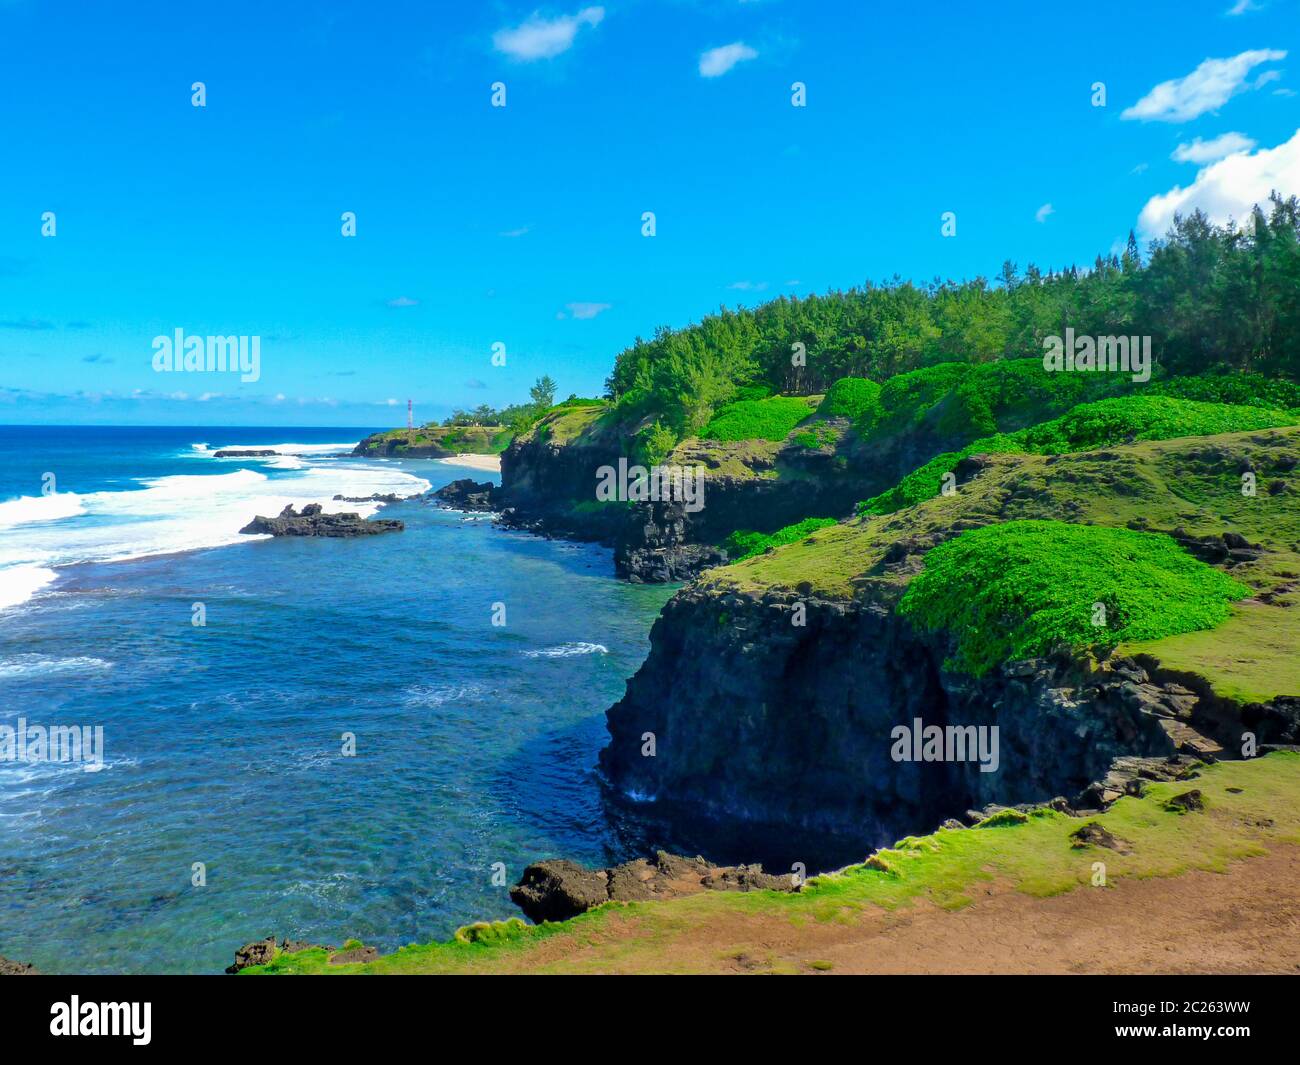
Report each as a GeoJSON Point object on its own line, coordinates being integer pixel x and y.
{"type": "Point", "coordinates": [1187, 802]}
{"type": "Point", "coordinates": [560, 889]}
{"type": "Point", "coordinates": [313, 522]}
{"type": "Point", "coordinates": [760, 719]}
{"type": "Point", "coordinates": [17, 968]}
{"type": "Point", "coordinates": [468, 494]}
{"type": "Point", "coordinates": [244, 454]}
{"type": "Point", "coordinates": [1094, 835]}
{"type": "Point", "coordinates": [557, 890]}
{"type": "Point", "coordinates": [261, 951]}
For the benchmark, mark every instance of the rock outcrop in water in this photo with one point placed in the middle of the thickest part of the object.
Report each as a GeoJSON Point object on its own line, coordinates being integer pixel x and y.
{"type": "Point", "coordinates": [470, 495]}
{"type": "Point", "coordinates": [17, 968]}
{"type": "Point", "coordinates": [244, 454]}
{"type": "Point", "coordinates": [314, 522]}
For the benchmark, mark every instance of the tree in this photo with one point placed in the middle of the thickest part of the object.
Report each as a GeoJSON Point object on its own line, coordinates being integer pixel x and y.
{"type": "Point", "coordinates": [543, 393]}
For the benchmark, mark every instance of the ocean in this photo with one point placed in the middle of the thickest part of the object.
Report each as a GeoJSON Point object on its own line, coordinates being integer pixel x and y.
{"type": "Point", "coordinates": [225, 808]}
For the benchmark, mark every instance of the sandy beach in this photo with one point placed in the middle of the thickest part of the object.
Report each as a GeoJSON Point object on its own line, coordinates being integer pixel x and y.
{"type": "Point", "coordinates": [488, 463]}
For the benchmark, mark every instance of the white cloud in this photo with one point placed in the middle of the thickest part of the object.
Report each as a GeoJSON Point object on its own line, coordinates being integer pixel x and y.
{"type": "Point", "coordinates": [717, 61]}
{"type": "Point", "coordinates": [543, 38]}
{"type": "Point", "coordinates": [1242, 6]}
{"type": "Point", "coordinates": [515, 232]}
{"type": "Point", "coordinates": [1211, 151]}
{"type": "Point", "coordinates": [748, 286]}
{"type": "Point", "coordinates": [403, 301]}
{"type": "Point", "coordinates": [1229, 188]}
{"type": "Point", "coordinates": [586, 310]}
{"type": "Point", "coordinates": [1041, 214]}
{"type": "Point", "coordinates": [1209, 86]}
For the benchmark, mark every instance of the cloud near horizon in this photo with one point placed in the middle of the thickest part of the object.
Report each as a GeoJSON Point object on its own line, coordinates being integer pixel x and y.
{"type": "Point", "coordinates": [1228, 189]}
{"type": "Point", "coordinates": [1208, 87]}
{"type": "Point", "coordinates": [541, 38]}
{"type": "Point", "coordinates": [717, 61]}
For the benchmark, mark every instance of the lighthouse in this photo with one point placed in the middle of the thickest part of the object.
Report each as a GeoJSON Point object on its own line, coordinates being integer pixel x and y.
{"type": "Point", "coordinates": [410, 420]}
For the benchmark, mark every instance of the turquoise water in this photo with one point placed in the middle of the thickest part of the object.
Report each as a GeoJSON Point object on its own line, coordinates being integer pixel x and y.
{"type": "Point", "coordinates": [223, 743]}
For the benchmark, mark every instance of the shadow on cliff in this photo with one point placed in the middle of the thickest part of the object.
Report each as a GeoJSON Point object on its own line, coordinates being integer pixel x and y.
{"type": "Point", "coordinates": [551, 787]}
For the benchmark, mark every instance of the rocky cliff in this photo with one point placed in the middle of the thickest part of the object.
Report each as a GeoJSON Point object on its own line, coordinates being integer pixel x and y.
{"type": "Point", "coordinates": [773, 687]}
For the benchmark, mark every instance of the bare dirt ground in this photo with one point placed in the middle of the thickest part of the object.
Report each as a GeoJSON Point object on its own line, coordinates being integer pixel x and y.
{"type": "Point", "coordinates": [1246, 920]}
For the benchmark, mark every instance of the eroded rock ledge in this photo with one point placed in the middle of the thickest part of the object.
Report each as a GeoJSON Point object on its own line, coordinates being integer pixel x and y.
{"type": "Point", "coordinates": [559, 889]}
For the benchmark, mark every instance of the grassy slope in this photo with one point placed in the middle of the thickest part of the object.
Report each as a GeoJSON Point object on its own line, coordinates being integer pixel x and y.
{"type": "Point", "coordinates": [1161, 485]}
{"type": "Point", "coordinates": [946, 869]}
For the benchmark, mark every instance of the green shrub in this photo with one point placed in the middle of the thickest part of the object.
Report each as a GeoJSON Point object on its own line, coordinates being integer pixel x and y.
{"type": "Point", "coordinates": [1245, 389]}
{"type": "Point", "coordinates": [652, 444]}
{"type": "Point", "coordinates": [743, 544]}
{"type": "Point", "coordinates": [1143, 417]}
{"type": "Point", "coordinates": [758, 419]}
{"type": "Point", "coordinates": [853, 398]}
{"type": "Point", "coordinates": [1024, 588]}
{"type": "Point", "coordinates": [1085, 428]}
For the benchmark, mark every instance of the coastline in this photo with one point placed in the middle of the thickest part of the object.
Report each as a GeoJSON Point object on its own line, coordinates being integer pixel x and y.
{"type": "Point", "coordinates": [486, 463]}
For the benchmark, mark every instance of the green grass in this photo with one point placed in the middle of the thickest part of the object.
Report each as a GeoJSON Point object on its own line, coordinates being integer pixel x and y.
{"type": "Point", "coordinates": [1250, 806]}
{"type": "Point", "coordinates": [1086, 427]}
{"type": "Point", "coordinates": [758, 419]}
{"type": "Point", "coordinates": [1024, 588]}
{"type": "Point", "coordinates": [743, 544]}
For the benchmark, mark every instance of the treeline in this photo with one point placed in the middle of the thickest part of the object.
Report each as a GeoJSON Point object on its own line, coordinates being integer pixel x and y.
{"type": "Point", "coordinates": [1210, 297]}
{"type": "Point", "coordinates": [518, 416]}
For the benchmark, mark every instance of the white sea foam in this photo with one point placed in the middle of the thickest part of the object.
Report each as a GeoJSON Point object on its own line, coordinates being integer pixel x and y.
{"type": "Point", "coordinates": [568, 650]}
{"type": "Point", "coordinates": [32, 665]}
{"type": "Point", "coordinates": [27, 509]}
{"type": "Point", "coordinates": [185, 512]}
{"type": "Point", "coordinates": [20, 583]}
{"type": "Point", "coordinates": [427, 695]}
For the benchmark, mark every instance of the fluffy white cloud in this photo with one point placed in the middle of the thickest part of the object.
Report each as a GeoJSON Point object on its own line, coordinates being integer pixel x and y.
{"type": "Point", "coordinates": [543, 38]}
{"type": "Point", "coordinates": [717, 61]}
{"type": "Point", "coordinates": [1041, 214]}
{"type": "Point", "coordinates": [1209, 86]}
{"type": "Point", "coordinates": [1229, 188]}
{"type": "Point", "coordinates": [1210, 151]}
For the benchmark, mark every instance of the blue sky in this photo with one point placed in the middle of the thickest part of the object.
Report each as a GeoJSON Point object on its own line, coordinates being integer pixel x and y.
{"type": "Point", "coordinates": [522, 225]}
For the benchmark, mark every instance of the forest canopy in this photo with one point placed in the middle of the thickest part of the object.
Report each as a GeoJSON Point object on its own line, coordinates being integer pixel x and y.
{"type": "Point", "coordinates": [1212, 298]}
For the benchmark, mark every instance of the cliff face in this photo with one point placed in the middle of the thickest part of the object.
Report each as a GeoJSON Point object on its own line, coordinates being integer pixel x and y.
{"type": "Point", "coordinates": [773, 687]}
{"type": "Point", "coordinates": [759, 718]}
{"type": "Point", "coordinates": [549, 478]}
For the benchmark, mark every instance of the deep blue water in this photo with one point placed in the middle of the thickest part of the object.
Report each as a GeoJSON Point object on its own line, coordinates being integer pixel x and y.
{"type": "Point", "coordinates": [475, 744]}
